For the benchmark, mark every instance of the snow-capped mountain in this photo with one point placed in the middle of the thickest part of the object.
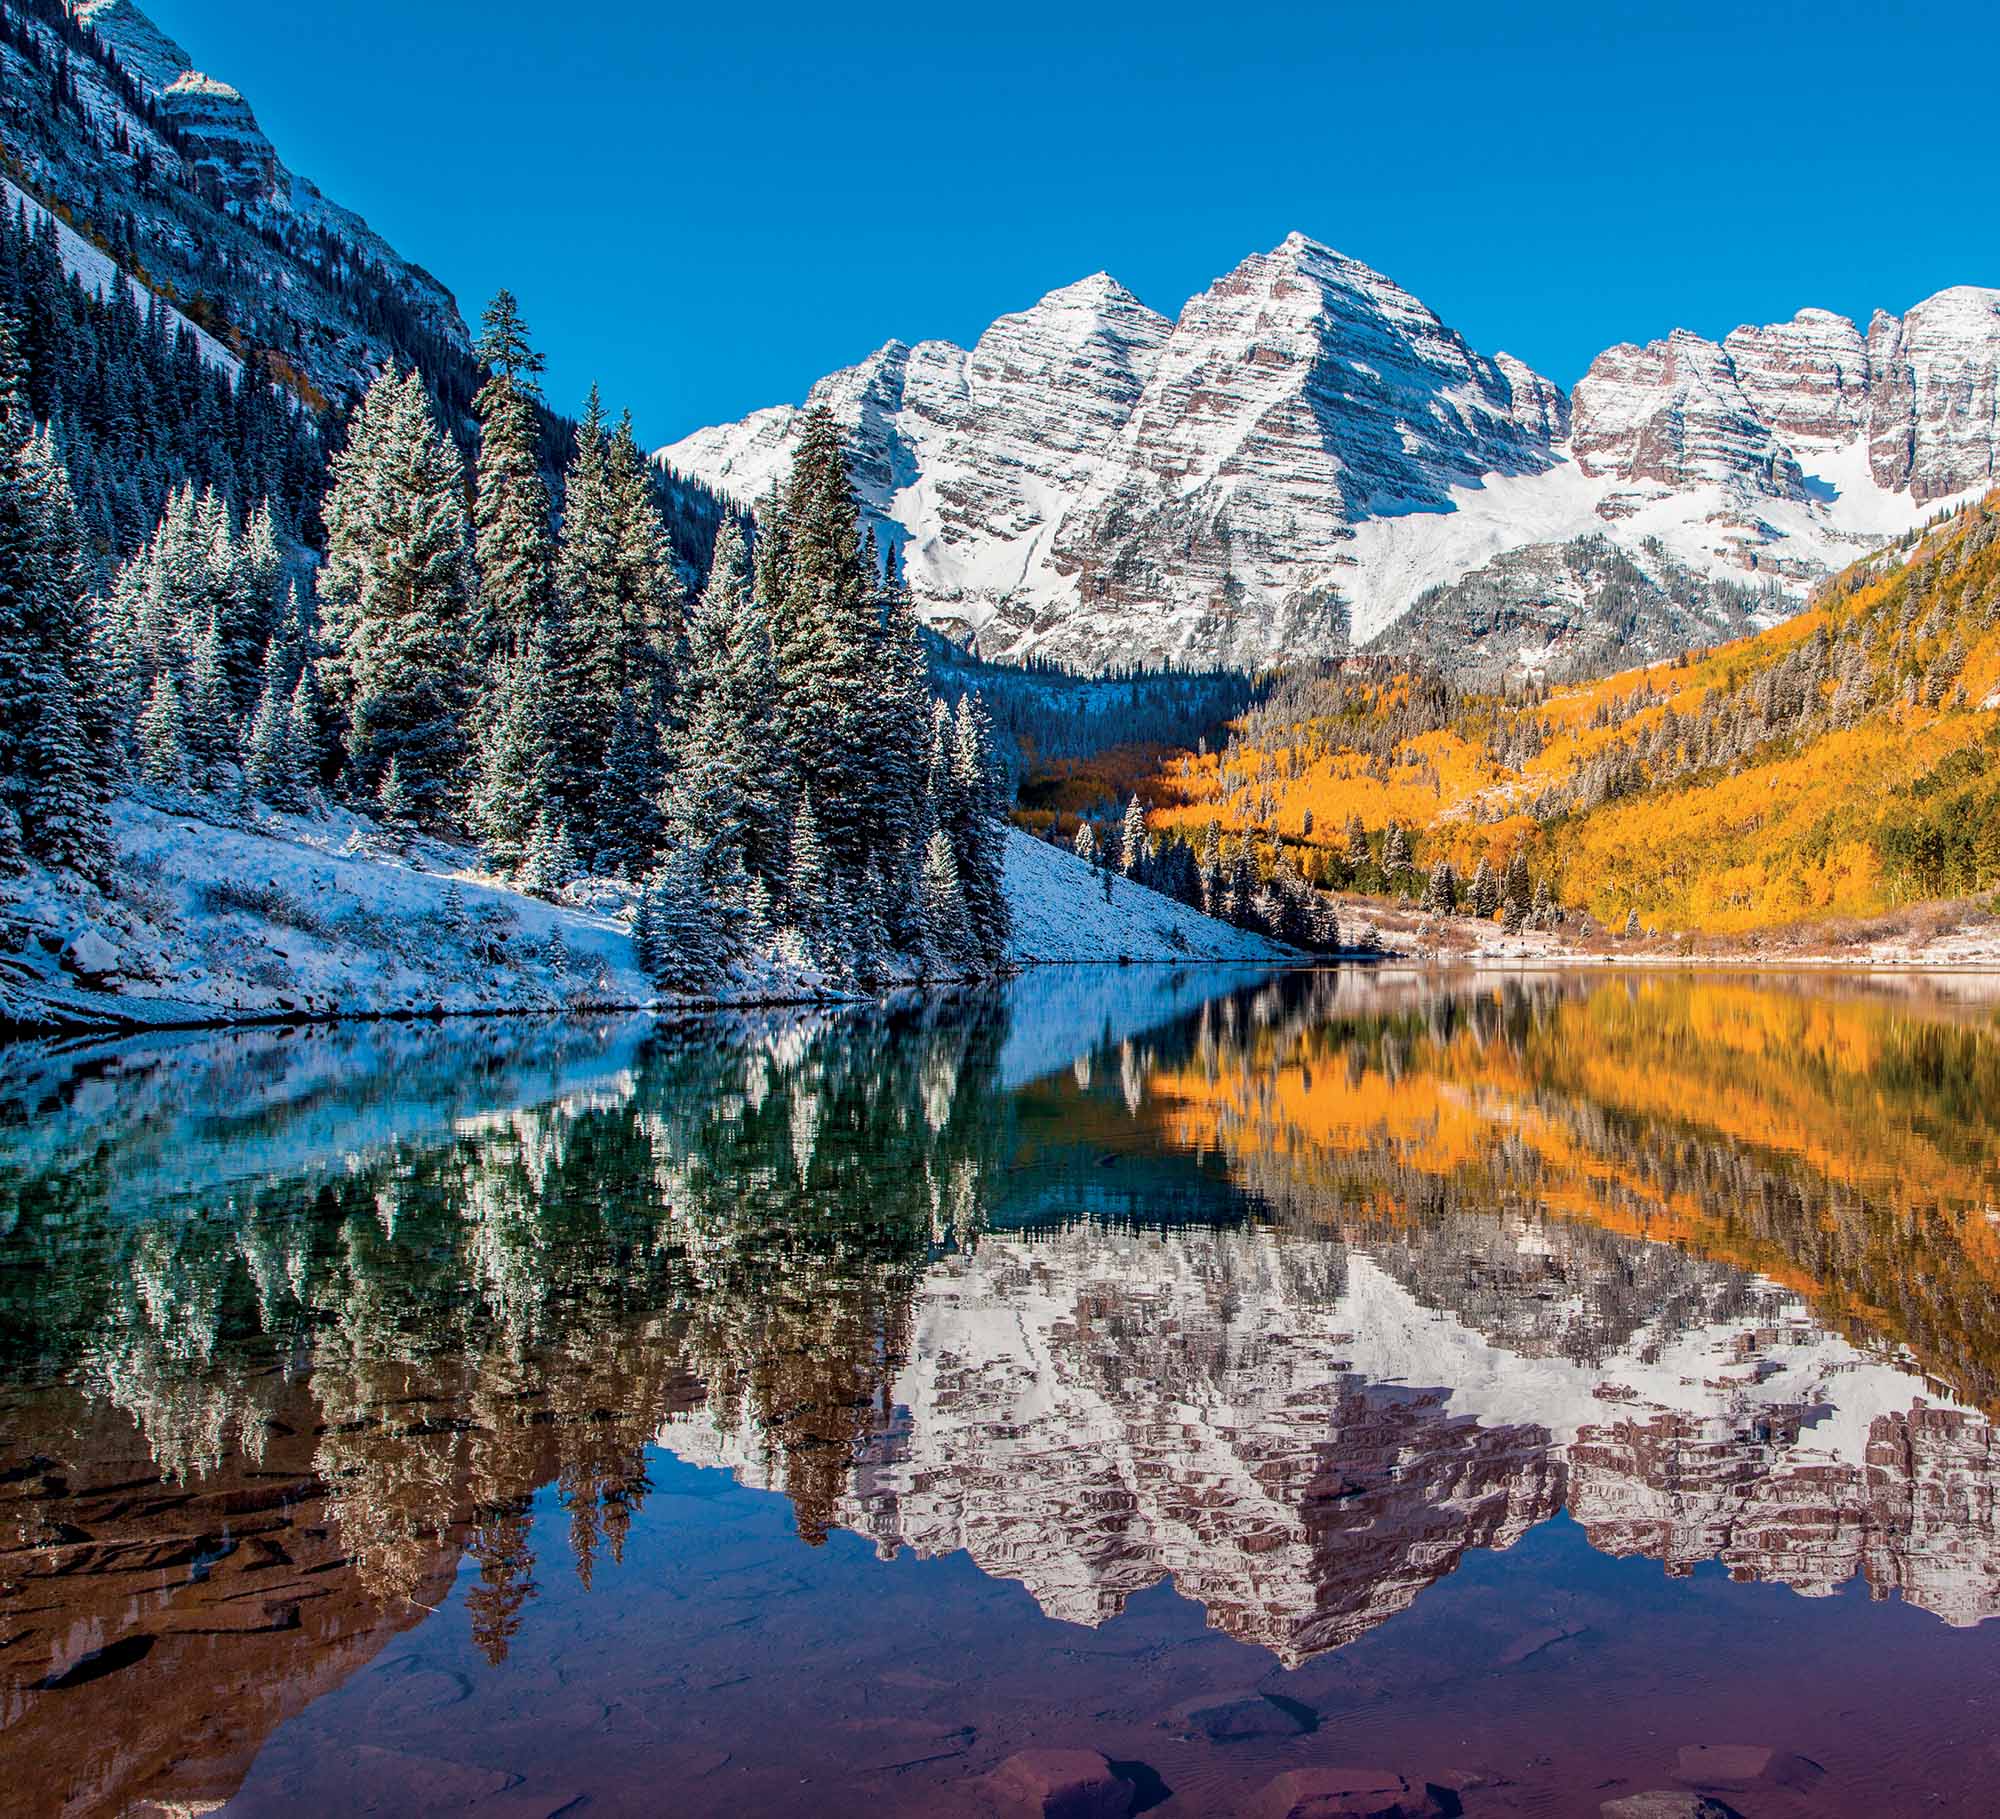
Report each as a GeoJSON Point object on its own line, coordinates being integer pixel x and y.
{"type": "Point", "coordinates": [1309, 449]}
{"type": "Point", "coordinates": [163, 170]}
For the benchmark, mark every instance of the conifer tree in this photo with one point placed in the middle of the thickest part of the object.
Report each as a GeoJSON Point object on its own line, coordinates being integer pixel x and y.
{"type": "Point", "coordinates": [808, 884]}
{"type": "Point", "coordinates": [825, 633]}
{"type": "Point", "coordinates": [648, 589]}
{"type": "Point", "coordinates": [55, 727]}
{"type": "Point", "coordinates": [1357, 842]}
{"type": "Point", "coordinates": [549, 861]}
{"type": "Point", "coordinates": [163, 756]}
{"type": "Point", "coordinates": [304, 723]}
{"type": "Point", "coordinates": [395, 594]}
{"type": "Point", "coordinates": [207, 712]}
{"type": "Point", "coordinates": [1483, 895]}
{"type": "Point", "coordinates": [271, 765]}
{"type": "Point", "coordinates": [948, 932]}
{"type": "Point", "coordinates": [587, 655]}
{"type": "Point", "coordinates": [1395, 852]}
{"type": "Point", "coordinates": [512, 782]}
{"type": "Point", "coordinates": [63, 809]}
{"type": "Point", "coordinates": [514, 550]}
{"type": "Point", "coordinates": [1086, 843]}
{"type": "Point", "coordinates": [680, 951]}
{"type": "Point", "coordinates": [1132, 856]}
{"type": "Point", "coordinates": [980, 838]}
{"type": "Point", "coordinates": [393, 806]}
{"type": "Point", "coordinates": [726, 757]}
{"type": "Point", "coordinates": [626, 807]}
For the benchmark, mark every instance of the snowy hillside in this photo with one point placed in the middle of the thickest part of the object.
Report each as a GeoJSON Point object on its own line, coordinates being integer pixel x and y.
{"type": "Point", "coordinates": [261, 915]}
{"type": "Point", "coordinates": [1062, 913]}
{"type": "Point", "coordinates": [1308, 449]}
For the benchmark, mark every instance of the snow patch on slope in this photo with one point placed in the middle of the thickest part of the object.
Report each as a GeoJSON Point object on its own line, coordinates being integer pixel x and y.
{"type": "Point", "coordinates": [98, 272]}
{"type": "Point", "coordinates": [1061, 914]}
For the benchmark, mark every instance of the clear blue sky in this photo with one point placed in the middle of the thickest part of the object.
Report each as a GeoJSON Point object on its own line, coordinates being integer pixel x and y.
{"type": "Point", "coordinates": [707, 206]}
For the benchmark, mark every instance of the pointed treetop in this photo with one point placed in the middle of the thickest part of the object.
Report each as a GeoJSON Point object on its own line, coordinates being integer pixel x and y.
{"type": "Point", "coordinates": [504, 348]}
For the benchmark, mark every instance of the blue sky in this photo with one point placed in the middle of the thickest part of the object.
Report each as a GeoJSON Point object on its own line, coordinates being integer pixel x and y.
{"type": "Point", "coordinates": [707, 207]}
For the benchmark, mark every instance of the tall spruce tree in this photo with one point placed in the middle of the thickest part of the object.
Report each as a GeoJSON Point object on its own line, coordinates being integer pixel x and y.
{"type": "Point", "coordinates": [980, 838]}
{"type": "Point", "coordinates": [587, 655]}
{"type": "Point", "coordinates": [513, 544]}
{"type": "Point", "coordinates": [513, 784]}
{"type": "Point", "coordinates": [395, 596]}
{"type": "Point", "coordinates": [825, 634]}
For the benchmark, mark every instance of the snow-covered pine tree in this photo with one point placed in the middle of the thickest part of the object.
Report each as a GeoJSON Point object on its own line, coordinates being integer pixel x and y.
{"type": "Point", "coordinates": [550, 861]}
{"type": "Point", "coordinates": [1357, 842]}
{"type": "Point", "coordinates": [395, 594]}
{"type": "Point", "coordinates": [947, 931]}
{"type": "Point", "coordinates": [1516, 887]}
{"type": "Point", "coordinates": [724, 775]}
{"type": "Point", "coordinates": [63, 806]}
{"type": "Point", "coordinates": [809, 883]}
{"type": "Point", "coordinates": [681, 951]}
{"type": "Point", "coordinates": [163, 756]}
{"type": "Point", "coordinates": [393, 808]}
{"type": "Point", "coordinates": [1441, 889]}
{"type": "Point", "coordinates": [272, 769]}
{"type": "Point", "coordinates": [587, 657]}
{"type": "Point", "coordinates": [980, 839]}
{"type": "Point", "coordinates": [649, 591]}
{"type": "Point", "coordinates": [1395, 852]}
{"type": "Point", "coordinates": [1483, 895]}
{"type": "Point", "coordinates": [55, 726]}
{"type": "Point", "coordinates": [902, 740]}
{"type": "Point", "coordinates": [626, 807]}
{"type": "Point", "coordinates": [208, 722]}
{"type": "Point", "coordinates": [1132, 841]}
{"type": "Point", "coordinates": [515, 551]}
{"type": "Point", "coordinates": [825, 636]}
{"type": "Point", "coordinates": [513, 786]}
{"type": "Point", "coordinates": [305, 722]}
{"type": "Point", "coordinates": [1085, 845]}
{"type": "Point", "coordinates": [452, 907]}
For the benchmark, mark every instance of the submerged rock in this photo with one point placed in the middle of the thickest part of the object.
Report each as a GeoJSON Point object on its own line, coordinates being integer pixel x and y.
{"type": "Point", "coordinates": [1353, 1793]}
{"type": "Point", "coordinates": [1062, 1784]}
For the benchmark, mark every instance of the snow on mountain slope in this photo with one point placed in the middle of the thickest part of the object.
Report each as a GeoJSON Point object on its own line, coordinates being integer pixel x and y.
{"type": "Point", "coordinates": [165, 171]}
{"type": "Point", "coordinates": [99, 272]}
{"type": "Point", "coordinates": [221, 918]}
{"type": "Point", "coordinates": [1308, 449]}
{"type": "Point", "coordinates": [1064, 913]}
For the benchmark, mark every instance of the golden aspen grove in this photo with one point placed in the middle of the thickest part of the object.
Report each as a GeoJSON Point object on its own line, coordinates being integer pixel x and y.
{"type": "Point", "coordinates": [1838, 765]}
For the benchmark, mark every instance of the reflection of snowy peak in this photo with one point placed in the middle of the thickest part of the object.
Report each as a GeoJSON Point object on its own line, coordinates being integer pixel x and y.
{"type": "Point", "coordinates": [1308, 448]}
{"type": "Point", "coordinates": [1303, 1444]}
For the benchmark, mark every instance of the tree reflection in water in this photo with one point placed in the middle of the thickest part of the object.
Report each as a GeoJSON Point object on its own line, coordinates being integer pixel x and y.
{"type": "Point", "coordinates": [1296, 1296]}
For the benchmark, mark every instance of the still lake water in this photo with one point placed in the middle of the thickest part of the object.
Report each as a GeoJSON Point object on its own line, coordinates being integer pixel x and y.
{"type": "Point", "coordinates": [1507, 1382]}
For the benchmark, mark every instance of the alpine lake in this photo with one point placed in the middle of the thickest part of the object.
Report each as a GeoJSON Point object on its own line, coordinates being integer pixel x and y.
{"type": "Point", "coordinates": [1491, 1393]}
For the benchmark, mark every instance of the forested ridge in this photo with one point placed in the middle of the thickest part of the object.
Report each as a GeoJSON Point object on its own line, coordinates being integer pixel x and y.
{"type": "Point", "coordinates": [1840, 764]}
{"type": "Point", "coordinates": [765, 764]}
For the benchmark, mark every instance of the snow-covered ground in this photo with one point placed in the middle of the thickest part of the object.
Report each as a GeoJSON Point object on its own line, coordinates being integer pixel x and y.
{"type": "Point", "coordinates": [221, 916]}
{"type": "Point", "coordinates": [1063, 913]}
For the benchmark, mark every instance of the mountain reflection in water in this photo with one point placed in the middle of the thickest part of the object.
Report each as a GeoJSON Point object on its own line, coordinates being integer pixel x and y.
{"type": "Point", "coordinates": [1293, 1293]}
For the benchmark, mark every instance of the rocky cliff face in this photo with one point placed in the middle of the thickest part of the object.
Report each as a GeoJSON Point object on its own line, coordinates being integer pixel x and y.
{"type": "Point", "coordinates": [173, 176]}
{"type": "Point", "coordinates": [1307, 451]}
